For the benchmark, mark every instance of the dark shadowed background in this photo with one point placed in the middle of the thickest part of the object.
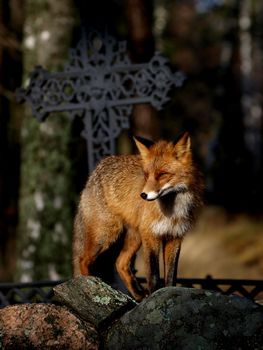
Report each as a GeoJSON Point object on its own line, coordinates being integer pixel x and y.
{"type": "Point", "coordinates": [218, 45]}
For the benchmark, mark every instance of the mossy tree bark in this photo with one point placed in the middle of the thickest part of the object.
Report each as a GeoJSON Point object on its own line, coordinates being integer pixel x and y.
{"type": "Point", "coordinates": [46, 173]}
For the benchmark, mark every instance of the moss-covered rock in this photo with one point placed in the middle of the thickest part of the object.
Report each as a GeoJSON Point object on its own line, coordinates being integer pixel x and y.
{"type": "Point", "coordinates": [185, 318]}
{"type": "Point", "coordinates": [93, 300]}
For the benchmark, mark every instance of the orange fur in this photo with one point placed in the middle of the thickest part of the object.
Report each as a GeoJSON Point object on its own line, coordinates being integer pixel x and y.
{"type": "Point", "coordinates": [163, 174]}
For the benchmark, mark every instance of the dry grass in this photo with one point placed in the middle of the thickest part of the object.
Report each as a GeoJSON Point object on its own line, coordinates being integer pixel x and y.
{"type": "Point", "coordinates": [224, 246]}
{"type": "Point", "coordinates": [221, 245]}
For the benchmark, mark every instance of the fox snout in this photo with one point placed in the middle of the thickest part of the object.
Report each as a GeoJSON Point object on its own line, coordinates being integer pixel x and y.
{"type": "Point", "coordinates": [144, 195]}
{"type": "Point", "coordinates": [149, 196]}
{"type": "Point", "coordinates": [152, 195]}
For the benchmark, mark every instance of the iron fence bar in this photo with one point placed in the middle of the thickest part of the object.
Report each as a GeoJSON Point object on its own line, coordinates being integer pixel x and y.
{"type": "Point", "coordinates": [3, 300]}
{"type": "Point", "coordinates": [255, 291]}
{"type": "Point", "coordinates": [249, 282]}
{"type": "Point", "coordinates": [200, 281]}
{"type": "Point", "coordinates": [230, 290]}
{"type": "Point", "coordinates": [16, 293]}
{"type": "Point", "coordinates": [46, 283]}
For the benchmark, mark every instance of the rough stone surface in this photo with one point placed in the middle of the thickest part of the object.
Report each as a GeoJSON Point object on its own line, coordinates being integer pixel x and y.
{"type": "Point", "coordinates": [93, 300]}
{"type": "Point", "coordinates": [190, 319]}
{"type": "Point", "coordinates": [44, 326]}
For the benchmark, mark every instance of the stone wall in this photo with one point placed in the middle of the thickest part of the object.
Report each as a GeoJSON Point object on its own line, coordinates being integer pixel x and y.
{"type": "Point", "coordinates": [89, 314]}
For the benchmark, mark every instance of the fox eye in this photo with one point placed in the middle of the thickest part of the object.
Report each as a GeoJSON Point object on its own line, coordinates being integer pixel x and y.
{"type": "Point", "coordinates": [161, 174]}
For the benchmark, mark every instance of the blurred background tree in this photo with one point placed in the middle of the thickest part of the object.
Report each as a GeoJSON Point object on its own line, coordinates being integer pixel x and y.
{"type": "Point", "coordinates": [46, 190]}
{"type": "Point", "coordinates": [140, 24]}
{"type": "Point", "coordinates": [217, 43]}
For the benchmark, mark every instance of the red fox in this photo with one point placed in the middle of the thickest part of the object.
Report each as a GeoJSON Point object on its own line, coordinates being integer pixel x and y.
{"type": "Point", "coordinates": [152, 196]}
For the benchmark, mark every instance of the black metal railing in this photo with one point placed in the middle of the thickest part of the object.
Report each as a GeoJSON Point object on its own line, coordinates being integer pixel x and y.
{"type": "Point", "coordinates": [33, 292]}
{"type": "Point", "coordinates": [42, 292]}
{"type": "Point", "coordinates": [251, 289]}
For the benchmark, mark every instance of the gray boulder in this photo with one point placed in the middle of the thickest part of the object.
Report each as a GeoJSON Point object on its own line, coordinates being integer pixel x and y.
{"type": "Point", "coordinates": [95, 316]}
{"type": "Point", "coordinates": [93, 300]}
{"type": "Point", "coordinates": [189, 319]}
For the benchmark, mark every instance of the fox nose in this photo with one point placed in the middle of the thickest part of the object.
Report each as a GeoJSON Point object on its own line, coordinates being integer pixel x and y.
{"type": "Point", "coordinates": [144, 195]}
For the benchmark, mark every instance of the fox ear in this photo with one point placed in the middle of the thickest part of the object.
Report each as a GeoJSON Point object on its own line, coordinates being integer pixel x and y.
{"type": "Point", "coordinates": [143, 145]}
{"type": "Point", "coordinates": [182, 145]}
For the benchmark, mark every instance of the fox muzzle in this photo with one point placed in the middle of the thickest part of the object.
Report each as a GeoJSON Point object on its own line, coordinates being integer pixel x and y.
{"type": "Point", "coordinates": [150, 196]}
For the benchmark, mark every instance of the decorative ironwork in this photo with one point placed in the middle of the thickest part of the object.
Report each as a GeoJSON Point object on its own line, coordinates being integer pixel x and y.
{"type": "Point", "coordinates": [17, 293]}
{"type": "Point", "coordinates": [100, 85]}
{"type": "Point", "coordinates": [251, 289]}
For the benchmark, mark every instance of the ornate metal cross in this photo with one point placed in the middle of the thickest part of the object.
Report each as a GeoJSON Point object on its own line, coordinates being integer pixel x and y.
{"type": "Point", "coordinates": [100, 85]}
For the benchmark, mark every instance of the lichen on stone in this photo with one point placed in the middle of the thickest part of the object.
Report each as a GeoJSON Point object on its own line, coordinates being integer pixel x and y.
{"type": "Point", "coordinates": [102, 300]}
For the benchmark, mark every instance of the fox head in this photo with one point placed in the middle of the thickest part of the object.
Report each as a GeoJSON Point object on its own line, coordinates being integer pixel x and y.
{"type": "Point", "coordinates": [167, 166]}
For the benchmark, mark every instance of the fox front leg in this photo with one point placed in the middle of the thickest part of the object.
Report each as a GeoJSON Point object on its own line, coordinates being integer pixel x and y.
{"type": "Point", "coordinates": [151, 248]}
{"type": "Point", "coordinates": [171, 253]}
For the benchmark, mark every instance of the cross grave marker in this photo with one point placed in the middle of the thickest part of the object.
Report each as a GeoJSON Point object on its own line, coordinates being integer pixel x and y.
{"type": "Point", "coordinates": [100, 84]}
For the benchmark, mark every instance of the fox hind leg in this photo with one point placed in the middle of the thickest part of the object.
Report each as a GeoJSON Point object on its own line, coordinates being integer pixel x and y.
{"type": "Point", "coordinates": [95, 238]}
{"type": "Point", "coordinates": [131, 245]}
{"type": "Point", "coordinates": [88, 258]}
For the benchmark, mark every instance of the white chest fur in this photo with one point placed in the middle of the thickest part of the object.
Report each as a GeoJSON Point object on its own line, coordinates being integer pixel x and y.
{"type": "Point", "coordinates": [179, 222]}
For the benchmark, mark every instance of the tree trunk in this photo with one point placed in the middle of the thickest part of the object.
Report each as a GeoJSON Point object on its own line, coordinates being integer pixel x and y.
{"type": "Point", "coordinates": [46, 186]}
{"type": "Point", "coordinates": [139, 14]}
{"type": "Point", "coordinates": [11, 27]}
